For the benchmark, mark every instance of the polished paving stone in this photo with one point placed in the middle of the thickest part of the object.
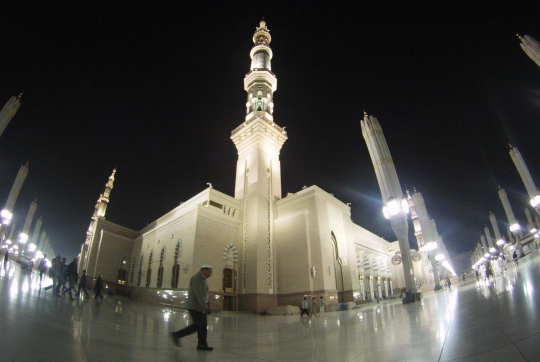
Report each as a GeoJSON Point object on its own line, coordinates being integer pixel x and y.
{"type": "Point", "coordinates": [488, 321]}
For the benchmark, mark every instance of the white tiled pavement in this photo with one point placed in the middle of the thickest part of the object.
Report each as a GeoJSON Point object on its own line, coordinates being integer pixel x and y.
{"type": "Point", "coordinates": [498, 321]}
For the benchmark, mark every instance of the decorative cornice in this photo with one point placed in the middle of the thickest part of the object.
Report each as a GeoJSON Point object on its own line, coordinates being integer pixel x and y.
{"type": "Point", "coordinates": [259, 127]}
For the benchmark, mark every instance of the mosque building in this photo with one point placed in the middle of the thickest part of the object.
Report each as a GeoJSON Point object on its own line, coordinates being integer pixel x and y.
{"type": "Point", "coordinates": [266, 250]}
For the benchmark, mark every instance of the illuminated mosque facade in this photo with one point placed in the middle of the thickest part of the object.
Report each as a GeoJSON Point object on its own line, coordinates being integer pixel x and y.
{"type": "Point", "coordinates": [266, 250]}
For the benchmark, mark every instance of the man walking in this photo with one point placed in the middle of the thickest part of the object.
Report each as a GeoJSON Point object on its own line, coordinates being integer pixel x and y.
{"type": "Point", "coordinates": [72, 277]}
{"type": "Point", "coordinates": [321, 306]}
{"type": "Point", "coordinates": [82, 284]}
{"type": "Point", "coordinates": [304, 308]}
{"type": "Point", "coordinates": [313, 304]}
{"type": "Point", "coordinates": [55, 272]}
{"type": "Point", "coordinates": [198, 307]}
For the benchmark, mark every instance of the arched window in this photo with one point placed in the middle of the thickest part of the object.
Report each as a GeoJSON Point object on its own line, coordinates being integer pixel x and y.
{"type": "Point", "coordinates": [176, 265]}
{"type": "Point", "coordinates": [149, 270]}
{"type": "Point", "coordinates": [160, 269]}
{"type": "Point", "coordinates": [140, 271]}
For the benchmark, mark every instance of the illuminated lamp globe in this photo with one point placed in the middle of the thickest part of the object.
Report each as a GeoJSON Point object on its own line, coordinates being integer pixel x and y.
{"type": "Point", "coordinates": [514, 227]}
{"type": "Point", "coordinates": [439, 257]}
{"type": "Point", "coordinates": [500, 242]}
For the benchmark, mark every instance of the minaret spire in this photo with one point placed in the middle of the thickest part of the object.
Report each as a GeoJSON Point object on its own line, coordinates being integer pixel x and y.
{"type": "Point", "coordinates": [258, 140]}
{"type": "Point", "coordinates": [104, 197]}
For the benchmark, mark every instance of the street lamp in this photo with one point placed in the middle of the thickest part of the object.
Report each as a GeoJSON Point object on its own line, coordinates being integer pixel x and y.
{"type": "Point", "coordinates": [514, 227]}
{"type": "Point", "coordinates": [535, 201]}
{"type": "Point", "coordinates": [23, 238]}
{"type": "Point", "coordinates": [6, 216]}
{"type": "Point", "coordinates": [430, 248]}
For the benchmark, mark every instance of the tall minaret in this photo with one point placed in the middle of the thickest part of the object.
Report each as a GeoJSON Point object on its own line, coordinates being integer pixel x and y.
{"type": "Point", "coordinates": [9, 110]}
{"type": "Point", "coordinates": [395, 206]}
{"type": "Point", "coordinates": [526, 178]}
{"type": "Point", "coordinates": [258, 174]}
{"type": "Point", "coordinates": [514, 225]}
{"type": "Point", "coordinates": [7, 212]}
{"type": "Point", "coordinates": [99, 213]}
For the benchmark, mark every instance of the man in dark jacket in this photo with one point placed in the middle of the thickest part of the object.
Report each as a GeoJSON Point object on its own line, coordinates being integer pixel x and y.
{"type": "Point", "coordinates": [198, 307]}
{"type": "Point", "coordinates": [72, 275]}
{"type": "Point", "coordinates": [82, 284]}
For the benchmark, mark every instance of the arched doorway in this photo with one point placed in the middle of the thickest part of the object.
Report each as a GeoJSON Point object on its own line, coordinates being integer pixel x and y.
{"type": "Point", "coordinates": [149, 270]}
{"type": "Point", "coordinates": [338, 268]}
{"type": "Point", "coordinates": [230, 277]}
{"type": "Point", "coordinates": [176, 265]}
{"type": "Point", "coordinates": [160, 269]}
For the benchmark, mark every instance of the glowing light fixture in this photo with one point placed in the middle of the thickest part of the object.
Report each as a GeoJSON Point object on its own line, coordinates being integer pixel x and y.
{"type": "Point", "coordinates": [23, 238]}
{"type": "Point", "coordinates": [535, 201]}
{"type": "Point", "coordinates": [432, 245]}
{"type": "Point", "coordinates": [439, 257]}
{"type": "Point", "coordinates": [500, 242]}
{"type": "Point", "coordinates": [486, 255]}
{"type": "Point", "coordinates": [394, 207]}
{"type": "Point", "coordinates": [6, 216]}
{"type": "Point", "coordinates": [514, 227]}
{"type": "Point", "coordinates": [492, 250]}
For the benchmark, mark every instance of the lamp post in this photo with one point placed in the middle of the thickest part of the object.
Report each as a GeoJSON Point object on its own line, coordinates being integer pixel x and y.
{"type": "Point", "coordinates": [395, 206]}
{"type": "Point", "coordinates": [431, 247]}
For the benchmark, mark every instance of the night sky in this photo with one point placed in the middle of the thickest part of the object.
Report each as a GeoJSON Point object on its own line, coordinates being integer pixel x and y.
{"type": "Point", "coordinates": [158, 90]}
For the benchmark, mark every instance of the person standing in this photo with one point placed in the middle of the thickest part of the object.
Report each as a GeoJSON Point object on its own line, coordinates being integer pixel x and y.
{"type": "Point", "coordinates": [515, 258]}
{"type": "Point", "coordinates": [313, 304]}
{"type": "Point", "coordinates": [55, 272]}
{"type": "Point", "coordinates": [42, 268]}
{"type": "Point", "coordinates": [448, 282]}
{"type": "Point", "coordinates": [62, 279]}
{"type": "Point", "coordinates": [72, 275]}
{"type": "Point", "coordinates": [322, 303]}
{"type": "Point", "coordinates": [304, 308]}
{"type": "Point", "coordinates": [98, 287]}
{"type": "Point", "coordinates": [198, 307]}
{"type": "Point", "coordinates": [82, 284]}
{"type": "Point", "coordinates": [6, 259]}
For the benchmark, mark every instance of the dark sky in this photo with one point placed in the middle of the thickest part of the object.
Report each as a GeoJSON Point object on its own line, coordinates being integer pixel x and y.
{"type": "Point", "coordinates": [158, 89]}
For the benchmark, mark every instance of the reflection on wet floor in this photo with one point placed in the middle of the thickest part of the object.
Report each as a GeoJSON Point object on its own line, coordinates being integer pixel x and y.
{"type": "Point", "coordinates": [497, 319]}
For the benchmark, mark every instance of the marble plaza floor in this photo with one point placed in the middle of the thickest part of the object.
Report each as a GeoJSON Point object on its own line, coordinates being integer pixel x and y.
{"type": "Point", "coordinates": [497, 321]}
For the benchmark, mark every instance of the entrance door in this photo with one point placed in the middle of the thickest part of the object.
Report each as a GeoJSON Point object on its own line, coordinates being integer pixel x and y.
{"type": "Point", "coordinates": [228, 280]}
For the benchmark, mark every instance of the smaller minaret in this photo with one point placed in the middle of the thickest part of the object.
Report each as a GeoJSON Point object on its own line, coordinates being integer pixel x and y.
{"type": "Point", "coordinates": [7, 212]}
{"type": "Point", "coordinates": [8, 112]}
{"type": "Point", "coordinates": [104, 198]}
{"type": "Point", "coordinates": [99, 213]}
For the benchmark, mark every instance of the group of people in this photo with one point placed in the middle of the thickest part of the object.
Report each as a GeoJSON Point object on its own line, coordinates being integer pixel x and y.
{"type": "Point", "coordinates": [62, 274]}
{"type": "Point", "coordinates": [305, 309]}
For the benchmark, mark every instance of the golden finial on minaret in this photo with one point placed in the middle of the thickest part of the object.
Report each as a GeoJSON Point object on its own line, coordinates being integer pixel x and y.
{"type": "Point", "coordinates": [20, 95]}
